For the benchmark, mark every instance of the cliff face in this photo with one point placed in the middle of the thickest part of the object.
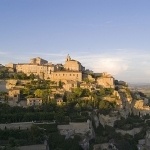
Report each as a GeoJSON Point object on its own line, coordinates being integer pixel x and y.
{"type": "Point", "coordinates": [3, 86]}
{"type": "Point", "coordinates": [123, 94]}
{"type": "Point", "coordinates": [139, 108]}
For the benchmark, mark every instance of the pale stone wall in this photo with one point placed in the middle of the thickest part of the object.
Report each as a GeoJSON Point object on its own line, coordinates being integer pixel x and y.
{"type": "Point", "coordinates": [34, 101]}
{"type": "Point", "coordinates": [131, 132]}
{"type": "Point", "coordinates": [72, 64]}
{"type": "Point", "coordinates": [21, 125]}
{"type": "Point", "coordinates": [108, 120]}
{"type": "Point", "coordinates": [106, 81]}
{"type": "Point", "coordinates": [38, 61]}
{"type": "Point", "coordinates": [89, 86]}
{"type": "Point", "coordinates": [14, 94]}
{"type": "Point", "coordinates": [45, 70]}
{"type": "Point", "coordinates": [10, 65]}
{"type": "Point", "coordinates": [90, 78]}
{"type": "Point", "coordinates": [69, 84]}
{"type": "Point", "coordinates": [11, 83]}
{"type": "Point", "coordinates": [81, 128]}
{"type": "Point", "coordinates": [140, 108]}
{"type": "Point", "coordinates": [35, 69]}
{"type": "Point", "coordinates": [67, 75]}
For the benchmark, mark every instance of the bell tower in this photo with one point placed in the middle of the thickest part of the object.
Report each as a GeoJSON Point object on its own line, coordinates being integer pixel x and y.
{"type": "Point", "coordinates": [68, 58]}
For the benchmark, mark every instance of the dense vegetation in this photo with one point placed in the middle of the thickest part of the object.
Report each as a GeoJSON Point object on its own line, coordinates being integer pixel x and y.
{"type": "Point", "coordinates": [35, 135]}
{"type": "Point", "coordinates": [78, 105]}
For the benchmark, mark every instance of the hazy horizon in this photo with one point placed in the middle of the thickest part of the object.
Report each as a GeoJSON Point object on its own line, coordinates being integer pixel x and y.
{"type": "Point", "coordinates": [105, 36]}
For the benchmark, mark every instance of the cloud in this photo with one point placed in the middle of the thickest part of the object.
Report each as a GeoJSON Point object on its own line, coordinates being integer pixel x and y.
{"type": "Point", "coordinates": [4, 53]}
{"type": "Point", "coordinates": [125, 64]}
{"type": "Point", "coordinates": [113, 66]}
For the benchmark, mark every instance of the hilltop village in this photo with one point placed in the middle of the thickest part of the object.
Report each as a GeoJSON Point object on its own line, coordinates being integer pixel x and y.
{"type": "Point", "coordinates": [65, 104]}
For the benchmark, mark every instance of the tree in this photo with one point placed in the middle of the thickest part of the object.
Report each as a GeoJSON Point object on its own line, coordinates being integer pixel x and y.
{"type": "Point", "coordinates": [26, 91]}
{"type": "Point", "coordinates": [102, 92]}
{"type": "Point", "coordinates": [32, 76]}
{"type": "Point", "coordinates": [78, 91]}
{"type": "Point", "coordinates": [38, 93]}
{"type": "Point", "coordinates": [3, 73]}
{"type": "Point", "coordinates": [87, 80]}
{"type": "Point", "coordinates": [45, 96]}
{"type": "Point", "coordinates": [23, 76]}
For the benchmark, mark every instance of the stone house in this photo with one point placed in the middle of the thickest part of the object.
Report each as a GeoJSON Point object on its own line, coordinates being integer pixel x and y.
{"type": "Point", "coordinates": [106, 80]}
{"type": "Point", "coordinates": [14, 94]}
{"type": "Point", "coordinates": [69, 84]}
{"type": "Point", "coordinates": [59, 101]}
{"type": "Point", "coordinates": [34, 101]}
{"type": "Point", "coordinates": [89, 86]}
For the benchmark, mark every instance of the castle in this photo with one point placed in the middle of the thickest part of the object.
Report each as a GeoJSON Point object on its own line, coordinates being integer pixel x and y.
{"type": "Point", "coordinates": [72, 70]}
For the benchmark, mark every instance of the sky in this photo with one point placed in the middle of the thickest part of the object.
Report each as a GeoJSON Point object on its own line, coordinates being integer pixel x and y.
{"type": "Point", "coordinates": [104, 35]}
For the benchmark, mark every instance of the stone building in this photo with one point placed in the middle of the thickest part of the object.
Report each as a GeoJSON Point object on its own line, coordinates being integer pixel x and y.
{"type": "Point", "coordinates": [69, 84]}
{"type": "Point", "coordinates": [38, 61]}
{"type": "Point", "coordinates": [43, 71]}
{"type": "Point", "coordinates": [106, 80]}
{"type": "Point", "coordinates": [14, 94]}
{"type": "Point", "coordinates": [67, 75]}
{"type": "Point", "coordinates": [71, 70]}
{"type": "Point", "coordinates": [10, 65]}
{"type": "Point", "coordinates": [73, 65]}
{"type": "Point", "coordinates": [34, 101]}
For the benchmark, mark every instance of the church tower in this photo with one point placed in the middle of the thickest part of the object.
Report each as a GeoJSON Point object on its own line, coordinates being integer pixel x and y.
{"type": "Point", "coordinates": [68, 58]}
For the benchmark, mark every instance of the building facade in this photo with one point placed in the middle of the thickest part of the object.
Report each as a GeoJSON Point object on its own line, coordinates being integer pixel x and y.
{"type": "Point", "coordinates": [71, 70]}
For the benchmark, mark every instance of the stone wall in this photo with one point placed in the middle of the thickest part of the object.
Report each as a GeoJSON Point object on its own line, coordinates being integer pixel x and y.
{"type": "Point", "coordinates": [107, 82]}
{"type": "Point", "coordinates": [131, 132]}
{"type": "Point", "coordinates": [21, 125]}
{"type": "Point", "coordinates": [11, 83]}
{"type": "Point", "coordinates": [77, 128]}
{"type": "Point", "coordinates": [108, 120]}
{"type": "Point", "coordinates": [67, 75]}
